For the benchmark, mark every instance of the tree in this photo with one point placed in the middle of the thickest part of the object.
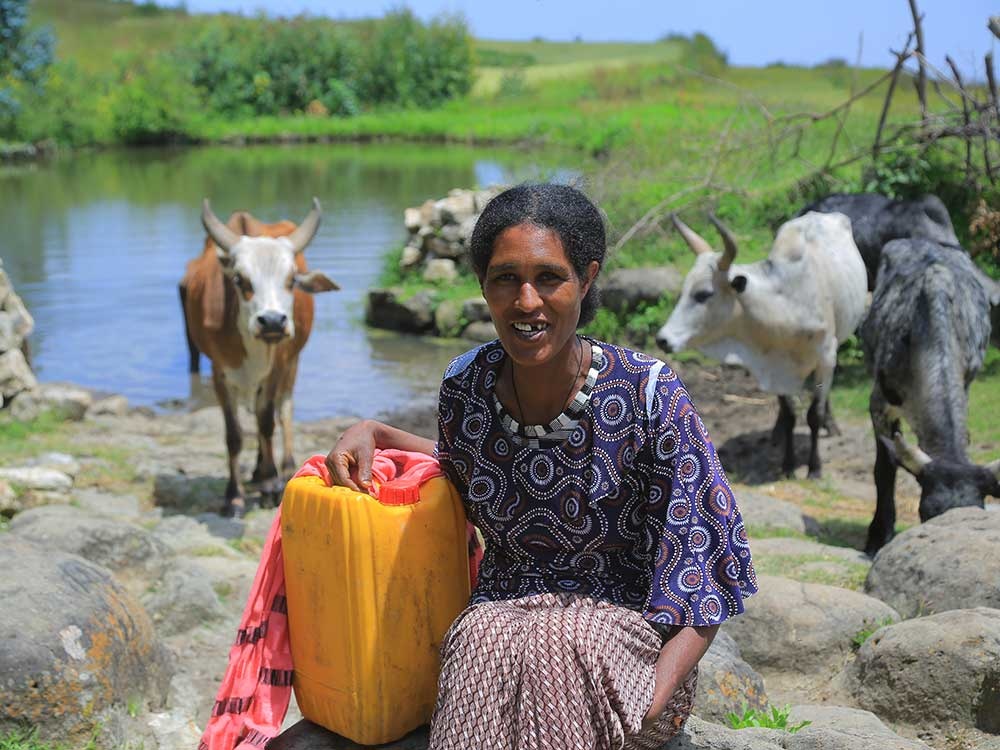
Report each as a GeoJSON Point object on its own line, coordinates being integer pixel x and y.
{"type": "Point", "coordinates": [25, 55]}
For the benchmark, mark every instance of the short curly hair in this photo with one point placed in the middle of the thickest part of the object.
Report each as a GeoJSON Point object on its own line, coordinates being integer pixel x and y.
{"type": "Point", "coordinates": [561, 208]}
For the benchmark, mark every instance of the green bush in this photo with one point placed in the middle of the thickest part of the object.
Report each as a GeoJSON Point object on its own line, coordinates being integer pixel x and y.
{"type": "Point", "coordinates": [150, 102]}
{"type": "Point", "coordinates": [412, 64]}
{"type": "Point", "coordinates": [68, 109]}
{"type": "Point", "coordinates": [777, 718]}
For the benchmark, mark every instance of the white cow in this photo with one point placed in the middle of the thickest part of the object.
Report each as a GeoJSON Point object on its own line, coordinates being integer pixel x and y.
{"type": "Point", "coordinates": [782, 317]}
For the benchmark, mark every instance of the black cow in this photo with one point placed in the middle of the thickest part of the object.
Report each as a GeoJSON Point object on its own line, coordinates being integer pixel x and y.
{"type": "Point", "coordinates": [924, 339]}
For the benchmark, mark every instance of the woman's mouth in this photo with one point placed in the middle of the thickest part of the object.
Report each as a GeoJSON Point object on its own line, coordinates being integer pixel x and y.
{"type": "Point", "coordinates": [529, 331]}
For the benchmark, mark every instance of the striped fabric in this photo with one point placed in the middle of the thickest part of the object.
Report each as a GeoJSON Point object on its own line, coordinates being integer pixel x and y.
{"type": "Point", "coordinates": [550, 672]}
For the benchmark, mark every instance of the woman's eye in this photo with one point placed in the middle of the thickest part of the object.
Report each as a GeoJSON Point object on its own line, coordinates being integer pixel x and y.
{"type": "Point", "coordinates": [701, 296]}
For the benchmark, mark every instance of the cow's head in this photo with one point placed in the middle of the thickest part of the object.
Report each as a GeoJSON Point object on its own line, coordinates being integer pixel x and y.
{"type": "Point", "coordinates": [266, 273]}
{"type": "Point", "coordinates": [945, 484]}
{"type": "Point", "coordinates": [708, 301]}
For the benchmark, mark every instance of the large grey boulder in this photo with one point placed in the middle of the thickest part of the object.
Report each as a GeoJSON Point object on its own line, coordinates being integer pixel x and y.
{"type": "Point", "coordinates": [807, 560]}
{"type": "Point", "coordinates": [15, 375]}
{"type": "Point", "coordinates": [839, 728]}
{"type": "Point", "coordinates": [115, 544]}
{"type": "Point", "coordinates": [385, 310]}
{"type": "Point", "coordinates": [933, 670]}
{"type": "Point", "coordinates": [726, 683]}
{"type": "Point", "coordinates": [624, 289]}
{"type": "Point", "coordinates": [75, 644]}
{"type": "Point", "coordinates": [764, 514]}
{"type": "Point", "coordinates": [183, 599]}
{"type": "Point", "coordinates": [950, 562]}
{"type": "Point", "coordinates": [67, 401]}
{"type": "Point", "coordinates": [698, 734]}
{"type": "Point", "coordinates": [803, 627]}
{"type": "Point", "coordinates": [480, 330]}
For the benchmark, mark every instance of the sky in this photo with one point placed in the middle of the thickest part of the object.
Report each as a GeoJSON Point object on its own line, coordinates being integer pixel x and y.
{"type": "Point", "coordinates": [752, 32]}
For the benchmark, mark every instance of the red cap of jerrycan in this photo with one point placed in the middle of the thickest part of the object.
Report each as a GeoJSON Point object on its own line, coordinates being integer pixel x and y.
{"type": "Point", "coordinates": [399, 492]}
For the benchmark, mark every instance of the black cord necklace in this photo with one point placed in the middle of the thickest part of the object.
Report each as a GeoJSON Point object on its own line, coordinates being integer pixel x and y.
{"type": "Point", "coordinates": [572, 385]}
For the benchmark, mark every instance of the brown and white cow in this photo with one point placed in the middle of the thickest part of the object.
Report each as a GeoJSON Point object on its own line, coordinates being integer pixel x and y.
{"type": "Point", "coordinates": [248, 307]}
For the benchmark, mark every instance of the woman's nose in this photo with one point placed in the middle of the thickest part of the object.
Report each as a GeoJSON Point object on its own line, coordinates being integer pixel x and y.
{"type": "Point", "coordinates": [528, 298]}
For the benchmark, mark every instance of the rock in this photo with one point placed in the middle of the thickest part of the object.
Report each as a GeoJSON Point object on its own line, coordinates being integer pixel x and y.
{"type": "Point", "coordinates": [412, 219]}
{"type": "Point", "coordinates": [452, 233]}
{"type": "Point", "coordinates": [183, 535]}
{"type": "Point", "coordinates": [950, 562]}
{"type": "Point", "coordinates": [114, 544]}
{"type": "Point", "coordinates": [802, 627]}
{"type": "Point", "coordinates": [435, 245]}
{"type": "Point", "coordinates": [68, 401]}
{"type": "Point", "coordinates": [183, 599]}
{"type": "Point", "coordinates": [75, 644]}
{"type": "Point", "coordinates": [624, 289]}
{"type": "Point", "coordinates": [59, 461]}
{"type": "Point", "coordinates": [411, 256]}
{"type": "Point", "coordinates": [475, 310]}
{"type": "Point", "coordinates": [22, 323]}
{"type": "Point", "coordinates": [481, 331]}
{"type": "Point", "coordinates": [726, 683]}
{"type": "Point", "coordinates": [457, 207]}
{"type": "Point", "coordinates": [9, 338]}
{"type": "Point", "coordinates": [448, 320]}
{"type": "Point", "coordinates": [112, 406]}
{"type": "Point", "coordinates": [806, 560]}
{"type": "Point", "coordinates": [839, 728]}
{"type": "Point", "coordinates": [937, 669]}
{"type": "Point", "coordinates": [440, 271]}
{"type": "Point", "coordinates": [482, 197]}
{"type": "Point", "coordinates": [762, 513]}
{"type": "Point", "coordinates": [188, 494]}
{"type": "Point", "coordinates": [308, 736]}
{"type": "Point", "coordinates": [698, 734]}
{"type": "Point", "coordinates": [5, 286]}
{"type": "Point", "coordinates": [385, 310]}
{"type": "Point", "coordinates": [15, 375]}
{"type": "Point", "coordinates": [37, 478]}
{"type": "Point", "coordinates": [429, 213]}
{"type": "Point", "coordinates": [466, 228]}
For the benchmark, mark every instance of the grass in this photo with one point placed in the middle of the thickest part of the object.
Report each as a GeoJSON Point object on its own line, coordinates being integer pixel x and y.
{"type": "Point", "coordinates": [813, 568]}
{"type": "Point", "coordinates": [27, 739]}
{"type": "Point", "coordinates": [866, 632]}
{"type": "Point", "coordinates": [776, 718]}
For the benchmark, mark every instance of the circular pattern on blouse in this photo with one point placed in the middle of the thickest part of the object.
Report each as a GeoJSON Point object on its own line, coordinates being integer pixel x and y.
{"type": "Point", "coordinates": [630, 506]}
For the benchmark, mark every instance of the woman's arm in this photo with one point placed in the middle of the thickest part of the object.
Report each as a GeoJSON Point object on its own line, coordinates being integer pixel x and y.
{"type": "Point", "coordinates": [677, 658]}
{"type": "Point", "coordinates": [350, 461]}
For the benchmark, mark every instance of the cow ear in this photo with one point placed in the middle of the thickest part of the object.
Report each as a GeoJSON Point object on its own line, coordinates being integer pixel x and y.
{"type": "Point", "coordinates": [739, 283]}
{"type": "Point", "coordinates": [226, 260]}
{"type": "Point", "coordinates": [315, 282]}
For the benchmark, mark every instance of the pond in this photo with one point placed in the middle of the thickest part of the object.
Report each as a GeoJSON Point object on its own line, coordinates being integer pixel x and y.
{"type": "Point", "coordinates": [95, 244]}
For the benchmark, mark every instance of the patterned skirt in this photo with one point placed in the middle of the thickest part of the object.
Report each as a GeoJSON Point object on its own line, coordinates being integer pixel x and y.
{"type": "Point", "coordinates": [552, 671]}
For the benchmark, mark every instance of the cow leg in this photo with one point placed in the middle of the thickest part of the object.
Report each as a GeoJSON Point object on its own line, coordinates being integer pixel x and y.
{"type": "Point", "coordinates": [786, 420]}
{"type": "Point", "coordinates": [265, 472]}
{"type": "Point", "coordinates": [194, 356]}
{"type": "Point", "coordinates": [814, 418]}
{"type": "Point", "coordinates": [284, 404]}
{"type": "Point", "coordinates": [883, 525]}
{"type": "Point", "coordinates": [829, 423]}
{"type": "Point", "coordinates": [235, 504]}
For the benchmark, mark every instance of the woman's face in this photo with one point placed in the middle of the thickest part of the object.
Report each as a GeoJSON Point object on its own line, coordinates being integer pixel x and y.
{"type": "Point", "coordinates": [533, 293]}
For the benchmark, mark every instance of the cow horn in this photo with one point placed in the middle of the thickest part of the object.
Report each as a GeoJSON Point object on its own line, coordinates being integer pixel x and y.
{"type": "Point", "coordinates": [303, 235]}
{"type": "Point", "coordinates": [221, 235]}
{"type": "Point", "coordinates": [694, 240]}
{"type": "Point", "coordinates": [912, 459]}
{"type": "Point", "coordinates": [727, 240]}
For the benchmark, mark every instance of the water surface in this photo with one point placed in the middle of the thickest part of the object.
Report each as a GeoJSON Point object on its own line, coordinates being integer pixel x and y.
{"type": "Point", "coordinates": [95, 244]}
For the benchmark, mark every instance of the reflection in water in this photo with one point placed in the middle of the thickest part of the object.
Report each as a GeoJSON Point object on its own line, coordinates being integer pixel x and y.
{"type": "Point", "coordinates": [96, 243]}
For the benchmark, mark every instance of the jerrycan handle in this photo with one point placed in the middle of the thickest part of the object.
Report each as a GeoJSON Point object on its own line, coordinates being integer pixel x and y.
{"type": "Point", "coordinates": [398, 492]}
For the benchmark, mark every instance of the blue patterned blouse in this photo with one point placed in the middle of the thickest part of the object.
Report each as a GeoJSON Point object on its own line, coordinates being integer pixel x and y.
{"type": "Point", "coordinates": [633, 507]}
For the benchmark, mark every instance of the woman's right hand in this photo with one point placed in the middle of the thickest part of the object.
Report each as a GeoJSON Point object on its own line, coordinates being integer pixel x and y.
{"type": "Point", "coordinates": [350, 461]}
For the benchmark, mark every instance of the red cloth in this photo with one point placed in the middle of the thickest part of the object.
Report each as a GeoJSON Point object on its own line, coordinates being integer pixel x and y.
{"type": "Point", "coordinates": [253, 698]}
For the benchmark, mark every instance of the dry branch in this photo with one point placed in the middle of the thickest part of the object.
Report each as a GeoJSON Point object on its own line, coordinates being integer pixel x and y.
{"type": "Point", "coordinates": [922, 71]}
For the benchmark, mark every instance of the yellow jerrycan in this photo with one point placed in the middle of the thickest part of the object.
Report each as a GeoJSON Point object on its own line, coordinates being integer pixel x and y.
{"type": "Point", "coordinates": [372, 587]}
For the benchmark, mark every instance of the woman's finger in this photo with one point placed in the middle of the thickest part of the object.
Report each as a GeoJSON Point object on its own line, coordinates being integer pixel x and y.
{"type": "Point", "coordinates": [339, 463]}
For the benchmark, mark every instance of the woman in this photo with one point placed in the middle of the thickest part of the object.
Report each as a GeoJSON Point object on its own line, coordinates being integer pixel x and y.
{"type": "Point", "coordinates": [613, 545]}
